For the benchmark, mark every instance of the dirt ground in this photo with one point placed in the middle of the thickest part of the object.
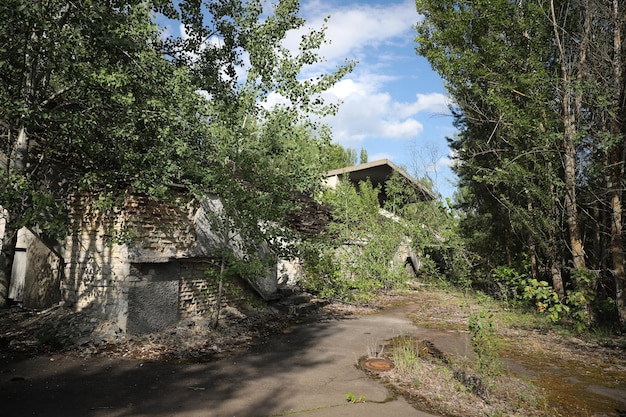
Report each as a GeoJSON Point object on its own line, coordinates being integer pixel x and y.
{"type": "Point", "coordinates": [58, 329]}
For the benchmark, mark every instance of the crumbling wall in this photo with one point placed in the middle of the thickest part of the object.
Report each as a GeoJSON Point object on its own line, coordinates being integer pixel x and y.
{"type": "Point", "coordinates": [143, 266]}
{"type": "Point", "coordinates": [42, 273]}
{"type": "Point", "coordinates": [105, 247]}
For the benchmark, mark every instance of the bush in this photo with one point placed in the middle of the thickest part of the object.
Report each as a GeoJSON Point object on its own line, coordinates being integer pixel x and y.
{"type": "Point", "coordinates": [355, 261]}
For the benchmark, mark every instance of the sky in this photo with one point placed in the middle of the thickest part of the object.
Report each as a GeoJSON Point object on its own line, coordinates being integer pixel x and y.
{"type": "Point", "coordinates": [393, 104]}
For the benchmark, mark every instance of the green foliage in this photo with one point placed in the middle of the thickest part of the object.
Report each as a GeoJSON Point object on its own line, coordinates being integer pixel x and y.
{"type": "Point", "coordinates": [484, 345]}
{"type": "Point", "coordinates": [363, 156]}
{"type": "Point", "coordinates": [545, 299]}
{"type": "Point", "coordinates": [518, 289]}
{"type": "Point", "coordinates": [100, 107]}
{"type": "Point", "coordinates": [335, 156]}
{"type": "Point", "coordinates": [536, 108]}
{"type": "Point", "coordinates": [357, 259]}
{"type": "Point", "coordinates": [108, 105]}
{"type": "Point", "coordinates": [353, 398]}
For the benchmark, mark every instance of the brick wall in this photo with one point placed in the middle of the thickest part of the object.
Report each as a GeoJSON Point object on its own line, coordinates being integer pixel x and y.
{"type": "Point", "coordinates": [115, 260]}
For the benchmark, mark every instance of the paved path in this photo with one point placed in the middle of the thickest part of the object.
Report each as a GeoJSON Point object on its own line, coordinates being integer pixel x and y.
{"type": "Point", "coordinates": [306, 372]}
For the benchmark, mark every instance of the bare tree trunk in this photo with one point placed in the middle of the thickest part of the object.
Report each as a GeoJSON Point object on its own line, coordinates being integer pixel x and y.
{"type": "Point", "coordinates": [617, 165]}
{"type": "Point", "coordinates": [570, 102]}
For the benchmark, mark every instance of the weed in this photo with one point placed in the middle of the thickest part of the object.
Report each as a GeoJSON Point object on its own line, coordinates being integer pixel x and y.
{"type": "Point", "coordinates": [405, 356]}
{"type": "Point", "coordinates": [485, 344]}
{"type": "Point", "coordinates": [353, 398]}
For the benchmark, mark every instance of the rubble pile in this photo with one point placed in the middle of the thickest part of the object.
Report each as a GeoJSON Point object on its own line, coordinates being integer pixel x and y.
{"type": "Point", "coordinates": [59, 329]}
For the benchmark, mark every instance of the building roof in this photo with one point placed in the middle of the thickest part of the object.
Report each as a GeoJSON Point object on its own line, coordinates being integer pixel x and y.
{"type": "Point", "coordinates": [378, 173]}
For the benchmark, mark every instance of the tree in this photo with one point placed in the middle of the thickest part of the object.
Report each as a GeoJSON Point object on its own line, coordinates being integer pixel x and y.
{"type": "Point", "coordinates": [363, 156]}
{"type": "Point", "coordinates": [256, 158]}
{"type": "Point", "coordinates": [86, 103]}
{"type": "Point", "coordinates": [496, 75]}
{"type": "Point", "coordinates": [336, 156]}
{"type": "Point", "coordinates": [539, 91]}
{"type": "Point", "coordinates": [93, 99]}
{"type": "Point", "coordinates": [540, 148]}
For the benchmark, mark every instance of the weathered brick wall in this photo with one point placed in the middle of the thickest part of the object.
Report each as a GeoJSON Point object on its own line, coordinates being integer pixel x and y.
{"type": "Point", "coordinates": [157, 230]}
{"type": "Point", "coordinates": [128, 265]}
{"type": "Point", "coordinates": [199, 288]}
{"type": "Point", "coordinates": [95, 268]}
{"type": "Point", "coordinates": [103, 246]}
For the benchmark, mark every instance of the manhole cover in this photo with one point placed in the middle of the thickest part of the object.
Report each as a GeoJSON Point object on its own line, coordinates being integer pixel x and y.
{"type": "Point", "coordinates": [378, 364]}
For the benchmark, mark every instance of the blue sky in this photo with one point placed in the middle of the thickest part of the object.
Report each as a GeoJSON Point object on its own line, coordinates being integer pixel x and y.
{"type": "Point", "coordinates": [392, 104]}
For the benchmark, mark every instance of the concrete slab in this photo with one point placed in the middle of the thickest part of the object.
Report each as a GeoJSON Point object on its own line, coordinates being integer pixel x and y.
{"type": "Point", "coordinates": [306, 372]}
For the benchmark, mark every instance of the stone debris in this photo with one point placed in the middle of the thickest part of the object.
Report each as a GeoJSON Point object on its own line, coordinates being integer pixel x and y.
{"type": "Point", "coordinates": [59, 329]}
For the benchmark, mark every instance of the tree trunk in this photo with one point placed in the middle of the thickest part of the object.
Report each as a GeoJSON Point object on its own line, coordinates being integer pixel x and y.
{"type": "Point", "coordinates": [555, 257]}
{"type": "Point", "coordinates": [220, 289]}
{"type": "Point", "coordinates": [7, 252]}
{"type": "Point", "coordinates": [532, 246]}
{"type": "Point", "coordinates": [570, 105]}
{"type": "Point", "coordinates": [617, 255]}
{"type": "Point", "coordinates": [617, 165]}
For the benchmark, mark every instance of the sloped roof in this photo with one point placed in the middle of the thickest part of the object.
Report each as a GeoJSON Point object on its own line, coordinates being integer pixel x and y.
{"type": "Point", "coordinates": [378, 173]}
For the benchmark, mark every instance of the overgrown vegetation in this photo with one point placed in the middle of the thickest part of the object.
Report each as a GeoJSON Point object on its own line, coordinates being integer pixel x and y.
{"type": "Point", "coordinates": [95, 97]}
{"type": "Point", "coordinates": [365, 248]}
{"type": "Point", "coordinates": [461, 386]}
{"type": "Point", "coordinates": [539, 103]}
{"type": "Point", "coordinates": [354, 260]}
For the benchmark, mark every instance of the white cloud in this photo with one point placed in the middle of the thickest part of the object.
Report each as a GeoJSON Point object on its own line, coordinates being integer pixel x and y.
{"type": "Point", "coordinates": [345, 88]}
{"type": "Point", "coordinates": [435, 103]}
{"type": "Point", "coordinates": [401, 129]}
{"type": "Point", "coordinates": [354, 30]}
{"type": "Point", "coordinates": [356, 26]}
{"type": "Point", "coordinates": [368, 114]}
{"type": "Point", "coordinates": [379, 156]}
{"type": "Point", "coordinates": [368, 33]}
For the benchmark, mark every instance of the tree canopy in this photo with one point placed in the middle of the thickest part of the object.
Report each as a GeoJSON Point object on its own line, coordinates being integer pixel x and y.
{"type": "Point", "coordinates": [539, 101]}
{"type": "Point", "coordinates": [94, 97]}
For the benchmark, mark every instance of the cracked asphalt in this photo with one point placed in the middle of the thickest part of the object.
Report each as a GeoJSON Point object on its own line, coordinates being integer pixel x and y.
{"type": "Point", "coordinates": [306, 371]}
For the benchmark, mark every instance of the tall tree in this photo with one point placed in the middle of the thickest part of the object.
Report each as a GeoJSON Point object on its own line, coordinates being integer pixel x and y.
{"type": "Point", "coordinates": [92, 98]}
{"type": "Point", "coordinates": [336, 156]}
{"type": "Point", "coordinates": [363, 156]}
{"type": "Point", "coordinates": [496, 75]}
{"type": "Point", "coordinates": [257, 155]}
{"type": "Point", "coordinates": [86, 103]}
{"type": "Point", "coordinates": [539, 93]}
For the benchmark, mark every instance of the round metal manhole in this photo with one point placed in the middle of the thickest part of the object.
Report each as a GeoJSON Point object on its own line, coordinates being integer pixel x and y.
{"type": "Point", "coordinates": [378, 364]}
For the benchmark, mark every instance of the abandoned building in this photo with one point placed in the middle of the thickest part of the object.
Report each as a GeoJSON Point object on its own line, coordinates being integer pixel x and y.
{"type": "Point", "coordinates": [147, 264]}
{"type": "Point", "coordinates": [378, 172]}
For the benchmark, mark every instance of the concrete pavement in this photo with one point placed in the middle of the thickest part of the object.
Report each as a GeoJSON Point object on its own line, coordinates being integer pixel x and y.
{"type": "Point", "coordinates": [305, 372]}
